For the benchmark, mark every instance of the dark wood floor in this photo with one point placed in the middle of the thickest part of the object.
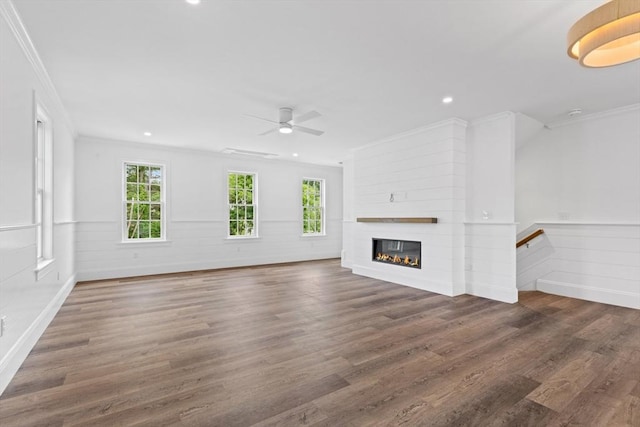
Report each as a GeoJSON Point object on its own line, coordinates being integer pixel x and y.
{"type": "Point", "coordinates": [312, 344]}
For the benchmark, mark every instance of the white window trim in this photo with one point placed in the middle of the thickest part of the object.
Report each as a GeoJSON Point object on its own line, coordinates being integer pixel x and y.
{"type": "Point", "coordinates": [323, 206]}
{"type": "Point", "coordinates": [43, 220]}
{"type": "Point", "coordinates": [163, 204]}
{"type": "Point", "coordinates": [256, 209]}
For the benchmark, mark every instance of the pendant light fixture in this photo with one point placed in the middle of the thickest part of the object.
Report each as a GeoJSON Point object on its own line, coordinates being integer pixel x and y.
{"type": "Point", "coordinates": [608, 35]}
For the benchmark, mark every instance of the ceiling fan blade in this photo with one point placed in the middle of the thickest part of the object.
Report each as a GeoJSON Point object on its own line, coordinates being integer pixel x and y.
{"type": "Point", "coordinates": [268, 132]}
{"type": "Point", "coordinates": [260, 118]}
{"type": "Point", "coordinates": [308, 130]}
{"type": "Point", "coordinates": [307, 116]}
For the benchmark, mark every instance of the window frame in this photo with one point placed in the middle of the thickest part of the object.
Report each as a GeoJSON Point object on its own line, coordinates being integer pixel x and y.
{"type": "Point", "coordinates": [254, 205]}
{"type": "Point", "coordinates": [323, 223]}
{"type": "Point", "coordinates": [163, 202]}
{"type": "Point", "coordinates": [43, 188]}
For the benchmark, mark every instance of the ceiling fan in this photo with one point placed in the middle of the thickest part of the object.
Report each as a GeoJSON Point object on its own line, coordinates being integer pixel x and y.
{"type": "Point", "coordinates": [286, 123]}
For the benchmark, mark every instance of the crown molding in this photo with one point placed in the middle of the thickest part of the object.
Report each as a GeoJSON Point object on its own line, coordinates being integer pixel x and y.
{"type": "Point", "coordinates": [12, 18]}
{"type": "Point", "coordinates": [593, 116]}
{"type": "Point", "coordinates": [493, 118]}
{"type": "Point", "coordinates": [448, 122]}
{"type": "Point", "coordinates": [129, 143]}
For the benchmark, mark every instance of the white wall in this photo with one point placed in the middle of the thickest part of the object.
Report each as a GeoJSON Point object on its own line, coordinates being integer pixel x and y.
{"type": "Point", "coordinates": [197, 212]}
{"type": "Point", "coordinates": [580, 182]}
{"type": "Point", "coordinates": [490, 255]}
{"type": "Point", "coordinates": [29, 304]}
{"type": "Point", "coordinates": [587, 170]}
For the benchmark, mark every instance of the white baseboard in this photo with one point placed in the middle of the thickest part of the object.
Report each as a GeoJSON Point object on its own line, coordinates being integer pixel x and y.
{"type": "Point", "coordinates": [443, 288]}
{"type": "Point", "coordinates": [606, 296]}
{"type": "Point", "coordinates": [166, 268]}
{"type": "Point", "coordinates": [529, 286]}
{"type": "Point", "coordinates": [509, 295]}
{"type": "Point", "coordinates": [16, 355]}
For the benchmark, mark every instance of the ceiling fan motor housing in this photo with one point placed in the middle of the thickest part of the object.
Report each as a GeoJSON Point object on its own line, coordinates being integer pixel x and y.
{"type": "Point", "coordinates": [286, 114]}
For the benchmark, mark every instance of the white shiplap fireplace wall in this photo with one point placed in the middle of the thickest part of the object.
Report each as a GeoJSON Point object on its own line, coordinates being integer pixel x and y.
{"type": "Point", "coordinates": [435, 171]}
{"type": "Point", "coordinates": [424, 170]}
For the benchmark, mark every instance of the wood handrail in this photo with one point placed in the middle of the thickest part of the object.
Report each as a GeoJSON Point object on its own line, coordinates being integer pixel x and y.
{"type": "Point", "coordinates": [530, 237]}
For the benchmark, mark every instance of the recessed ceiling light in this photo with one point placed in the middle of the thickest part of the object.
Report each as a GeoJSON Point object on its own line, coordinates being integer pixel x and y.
{"type": "Point", "coordinates": [193, 1]}
{"type": "Point", "coordinates": [447, 100]}
{"type": "Point", "coordinates": [147, 134]}
{"type": "Point", "coordinates": [295, 154]}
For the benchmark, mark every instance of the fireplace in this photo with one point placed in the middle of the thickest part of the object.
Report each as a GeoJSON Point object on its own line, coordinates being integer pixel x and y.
{"type": "Point", "coordinates": [403, 253]}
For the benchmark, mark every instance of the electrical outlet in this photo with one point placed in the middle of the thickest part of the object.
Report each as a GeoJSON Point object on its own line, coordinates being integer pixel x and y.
{"type": "Point", "coordinates": [3, 325]}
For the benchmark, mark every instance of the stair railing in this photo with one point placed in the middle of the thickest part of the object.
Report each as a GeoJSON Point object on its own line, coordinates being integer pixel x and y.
{"type": "Point", "coordinates": [527, 239]}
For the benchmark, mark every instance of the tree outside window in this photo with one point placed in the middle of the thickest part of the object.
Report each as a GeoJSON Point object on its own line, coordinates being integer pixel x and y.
{"type": "Point", "coordinates": [242, 204]}
{"type": "Point", "coordinates": [312, 206]}
{"type": "Point", "coordinates": [144, 201]}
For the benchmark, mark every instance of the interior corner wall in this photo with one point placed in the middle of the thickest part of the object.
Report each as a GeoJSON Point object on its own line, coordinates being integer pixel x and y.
{"type": "Point", "coordinates": [580, 182]}
{"type": "Point", "coordinates": [490, 230]}
{"type": "Point", "coordinates": [29, 305]}
{"type": "Point", "coordinates": [197, 212]}
{"type": "Point", "coordinates": [348, 215]}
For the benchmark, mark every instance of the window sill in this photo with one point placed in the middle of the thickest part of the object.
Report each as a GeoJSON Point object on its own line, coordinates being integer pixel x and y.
{"type": "Point", "coordinates": [314, 235]}
{"type": "Point", "coordinates": [241, 238]}
{"type": "Point", "coordinates": [43, 268]}
{"type": "Point", "coordinates": [144, 242]}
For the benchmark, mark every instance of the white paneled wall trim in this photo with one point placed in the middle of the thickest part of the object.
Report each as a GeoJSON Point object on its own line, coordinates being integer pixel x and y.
{"type": "Point", "coordinates": [196, 245]}
{"type": "Point", "coordinates": [16, 227]}
{"type": "Point", "coordinates": [490, 261]}
{"type": "Point", "coordinates": [489, 222]}
{"type": "Point", "coordinates": [569, 223]}
{"type": "Point", "coordinates": [596, 261]}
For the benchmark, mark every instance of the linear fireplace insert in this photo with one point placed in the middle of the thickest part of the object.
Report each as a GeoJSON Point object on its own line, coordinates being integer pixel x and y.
{"type": "Point", "coordinates": [404, 253]}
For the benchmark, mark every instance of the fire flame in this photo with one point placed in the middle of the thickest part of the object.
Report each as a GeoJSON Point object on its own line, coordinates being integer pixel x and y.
{"type": "Point", "coordinates": [395, 259]}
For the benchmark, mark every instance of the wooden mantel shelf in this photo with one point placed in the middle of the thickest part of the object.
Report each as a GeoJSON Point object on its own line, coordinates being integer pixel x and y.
{"type": "Point", "coordinates": [414, 220]}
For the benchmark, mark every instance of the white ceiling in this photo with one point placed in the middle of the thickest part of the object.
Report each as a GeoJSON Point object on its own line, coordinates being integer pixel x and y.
{"type": "Point", "coordinates": [189, 74]}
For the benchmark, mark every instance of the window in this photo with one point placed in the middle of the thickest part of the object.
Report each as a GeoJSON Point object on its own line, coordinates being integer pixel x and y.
{"type": "Point", "coordinates": [43, 203]}
{"type": "Point", "coordinates": [144, 202]}
{"type": "Point", "coordinates": [312, 206]}
{"type": "Point", "coordinates": [242, 204]}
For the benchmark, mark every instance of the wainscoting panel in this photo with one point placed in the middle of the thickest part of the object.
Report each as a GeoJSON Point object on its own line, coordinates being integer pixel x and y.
{"type": "Point", "coordinates": [197, 245]}
{"type": "Point", "coordinates": [490, 260]}
{"type": "Point", "coordinates": [598, 262]}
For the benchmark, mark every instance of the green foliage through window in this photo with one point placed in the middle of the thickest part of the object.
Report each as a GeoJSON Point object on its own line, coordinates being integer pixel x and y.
{"type": "Point", "coordinates": [242, 204]}
{"type": "Point", "coordinates": [312, 206]}
{"type": "Point", "coordinates": [143, 204]}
